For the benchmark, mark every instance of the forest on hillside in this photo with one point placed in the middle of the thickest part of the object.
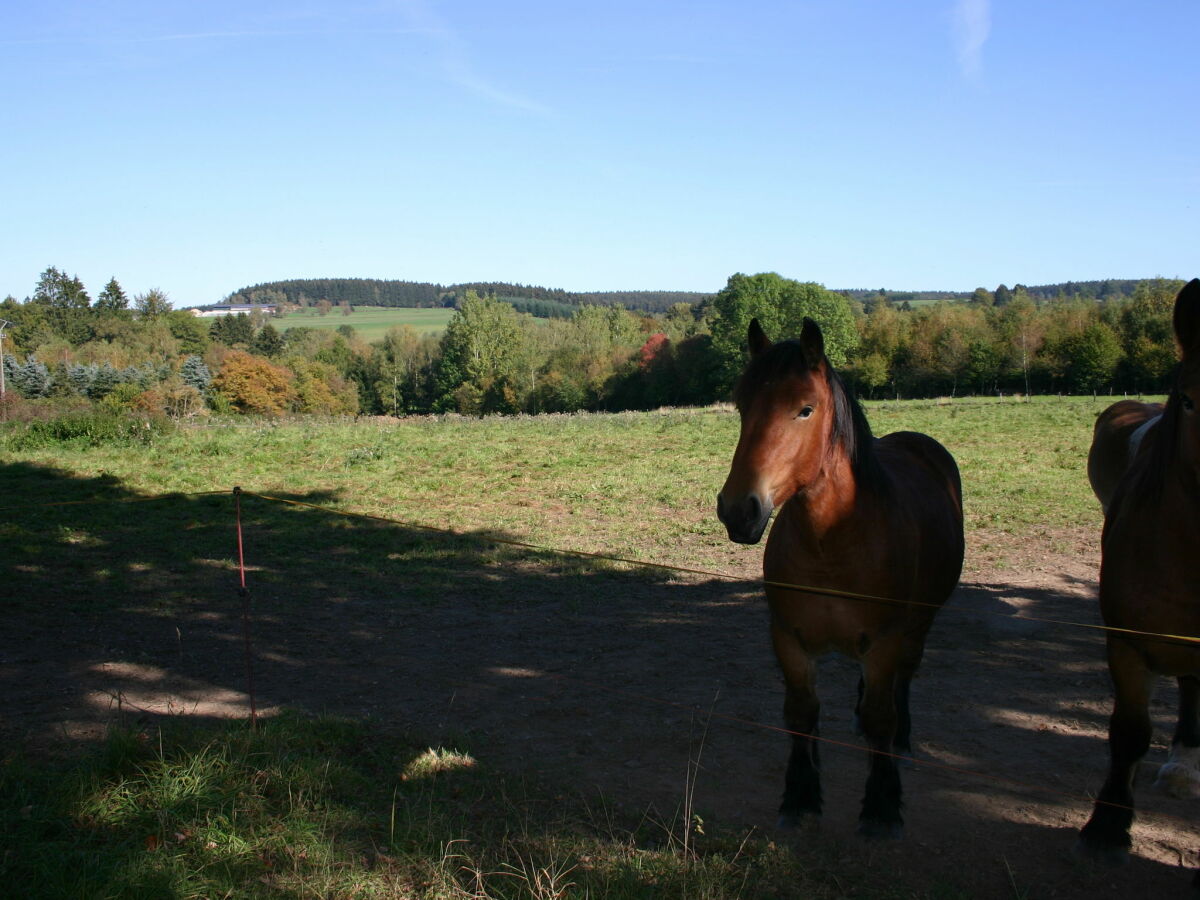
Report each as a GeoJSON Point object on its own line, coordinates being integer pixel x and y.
{"type": "Point", "coordinates": [64, 349]}
{"type": "Point", "coordinates": [538, 301]}
{"type": "Point", "coordinates": [558, 303]}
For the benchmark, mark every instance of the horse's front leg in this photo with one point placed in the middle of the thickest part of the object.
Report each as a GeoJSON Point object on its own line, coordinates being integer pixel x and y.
{"type": "Point", "coordinates": [1106, 835]}
{"type": "Point", "coordinates": [880, 816]}
{"type": "Point", "coordinates": [801, 712]}
{"type": "Point", "coordinates": [1180, 776]}
{"type": "Point", "coordinates": [902, 742]}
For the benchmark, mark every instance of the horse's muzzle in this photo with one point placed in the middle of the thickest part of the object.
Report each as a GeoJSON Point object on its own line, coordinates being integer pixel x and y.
{"type": "Point", "coordinates": [745, 518]}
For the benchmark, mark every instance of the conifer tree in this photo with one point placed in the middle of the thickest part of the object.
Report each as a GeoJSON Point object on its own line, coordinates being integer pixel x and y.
{"type": "Point", "coordinates": [113, 297]}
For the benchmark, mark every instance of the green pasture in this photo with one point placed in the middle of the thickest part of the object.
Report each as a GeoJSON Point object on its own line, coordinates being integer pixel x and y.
{"type": "Point", "coordinates": [370, 322]}
{"type": "Point", "coordinates": [326, 807]}
{"type": "Point", "coordinates": [638, 485]}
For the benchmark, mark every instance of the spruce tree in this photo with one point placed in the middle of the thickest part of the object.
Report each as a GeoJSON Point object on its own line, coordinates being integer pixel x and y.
{"type": "Point", "coordinates": [112, 298]}
{"type": "Point", "coordinates": [195, 373]}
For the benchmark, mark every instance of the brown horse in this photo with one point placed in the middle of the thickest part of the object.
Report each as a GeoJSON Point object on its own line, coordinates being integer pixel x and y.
{"type": "Point", "coordinates": [1150, 583]}
{"type": "Point", "coordinates": [874, 517]}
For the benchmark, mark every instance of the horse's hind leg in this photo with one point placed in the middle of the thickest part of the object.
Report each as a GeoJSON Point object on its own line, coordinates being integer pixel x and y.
{"type": "Point", "coordinates": [1106, 835]}
{"type": "Point", "coordinates": [801, 711]}
{"type": "Point", "coordinates": [880, 816]}
{"type": "Point", "coordinates": [1180, 776]}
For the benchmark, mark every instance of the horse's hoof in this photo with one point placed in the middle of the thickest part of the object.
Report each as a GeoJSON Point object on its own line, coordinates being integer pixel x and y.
{"type": "Point", "coordinates": [874, 830]}
{"type": "Point", "coordinates": [1178, 781]}
{"type": "Point", "coordinates": [1113, 856]}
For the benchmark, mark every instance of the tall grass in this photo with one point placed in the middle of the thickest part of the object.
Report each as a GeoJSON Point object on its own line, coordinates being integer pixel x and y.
{"type": "Point", "coordinates": [324, 808]}
{"type": "Point", "coordinates": [86, 430]}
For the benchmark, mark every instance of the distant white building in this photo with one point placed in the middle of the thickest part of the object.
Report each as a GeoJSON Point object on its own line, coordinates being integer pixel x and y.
{"type": "Point", "coordinates": [232, 309]}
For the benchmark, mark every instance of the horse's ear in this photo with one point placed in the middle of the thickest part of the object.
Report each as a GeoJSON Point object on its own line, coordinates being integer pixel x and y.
{"type": "Point", "coordinates": [758, 338]}
{"type": "Point", "coordinates": [1187, 318]}
{"type": "Point", "coordinates": [813, 343]}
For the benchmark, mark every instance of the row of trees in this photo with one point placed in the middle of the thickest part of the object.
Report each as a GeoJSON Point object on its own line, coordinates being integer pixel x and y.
{"type": "Point", "coordinates": [493, 358]}
{"type": "Point", "coordinates": [1075, 345]}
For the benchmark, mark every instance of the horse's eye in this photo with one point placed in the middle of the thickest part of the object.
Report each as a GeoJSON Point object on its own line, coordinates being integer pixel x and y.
{"type": "Point", "coordinates": [805, 413]}
{"type": "Point", "coordinates": [1186, 402]}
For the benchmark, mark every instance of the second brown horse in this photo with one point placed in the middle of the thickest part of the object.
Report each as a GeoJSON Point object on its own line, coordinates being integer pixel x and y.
{"type": "Point", "coordinates": [1145, 468]}
{"type": "Point", "coordinates": [878, 518]}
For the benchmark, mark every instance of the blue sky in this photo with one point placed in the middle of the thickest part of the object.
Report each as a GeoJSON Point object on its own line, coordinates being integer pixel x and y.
{"type": "Point", "coordinates": [200, 147]}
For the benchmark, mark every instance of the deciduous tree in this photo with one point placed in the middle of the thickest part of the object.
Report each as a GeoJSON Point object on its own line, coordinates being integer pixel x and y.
{"type": "Point", "coordinates": [780, 305]}
{"type": "Point", "coordinates": [252, 384]}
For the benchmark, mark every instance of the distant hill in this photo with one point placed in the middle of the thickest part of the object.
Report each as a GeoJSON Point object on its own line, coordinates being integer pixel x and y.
{"type": "Point", "coordinates": [551, 302]}
{"type": "Point", "coordinates": [379, 292]}
{"type": "Point", "coordinates": [1105, 289]}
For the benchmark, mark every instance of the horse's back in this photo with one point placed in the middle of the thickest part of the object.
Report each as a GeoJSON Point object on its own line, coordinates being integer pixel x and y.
{"type": "Point", "coordinates": [1111, 451]}
{"type": "Point", "coordinates": [920, 453]}
{"type": "Point", "coordinates": [926, 477]}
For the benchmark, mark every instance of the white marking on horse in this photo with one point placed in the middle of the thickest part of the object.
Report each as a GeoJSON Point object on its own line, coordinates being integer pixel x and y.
{"type": "Point", "coordinates": [1135, 439]}
{"type": "Point", "coordinates": [1180, 776]}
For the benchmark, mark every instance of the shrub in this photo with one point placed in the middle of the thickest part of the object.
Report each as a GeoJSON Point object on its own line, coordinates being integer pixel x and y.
{"type": "Point", "coordinates": [91, 429]}
{"type": "Point", "coordinates": [122, 397]}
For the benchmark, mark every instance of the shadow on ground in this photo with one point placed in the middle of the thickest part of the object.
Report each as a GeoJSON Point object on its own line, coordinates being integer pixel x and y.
{"type": "Point", "coordinates": [592, 675]}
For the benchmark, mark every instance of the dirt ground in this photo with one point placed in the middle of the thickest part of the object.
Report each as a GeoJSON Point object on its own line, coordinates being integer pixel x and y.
{"type": "Point", "coordinates": [612, 682]}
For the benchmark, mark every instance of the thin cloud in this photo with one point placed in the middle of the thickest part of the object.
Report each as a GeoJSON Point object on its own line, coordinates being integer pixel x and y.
{"type": "Point", "coordinates": [455, 60]}
{"type": "Point", "coordinates": [971, 27]}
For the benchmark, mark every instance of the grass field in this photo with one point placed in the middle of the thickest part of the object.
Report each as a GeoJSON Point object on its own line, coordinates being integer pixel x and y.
{"type": "Point", "coordinates": [331, 808]}
{"type": "Point", "coordinates": [633, 484]}
{"type": "Point", "coordinates": [371, 322]}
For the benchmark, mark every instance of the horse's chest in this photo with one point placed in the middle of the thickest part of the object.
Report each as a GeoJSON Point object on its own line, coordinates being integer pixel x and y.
{"type": "Point", "coordinates": [798, 574]}
{"type": "Point", "coordinates": [853, 560]}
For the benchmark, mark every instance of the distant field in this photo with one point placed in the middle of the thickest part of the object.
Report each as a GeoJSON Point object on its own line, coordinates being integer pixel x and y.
{"type": "Point", "coordinates": [371, 322]}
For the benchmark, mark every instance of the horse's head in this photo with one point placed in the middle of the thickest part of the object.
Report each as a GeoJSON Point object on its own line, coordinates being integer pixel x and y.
{"type": "Point", "coordinates": [1186, 394]}
{"type": "Point", "coordinates": [787, 407]}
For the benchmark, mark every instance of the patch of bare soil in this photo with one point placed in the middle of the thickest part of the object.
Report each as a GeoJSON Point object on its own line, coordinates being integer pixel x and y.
{"type": "Point", "coordinates": [612, 682]}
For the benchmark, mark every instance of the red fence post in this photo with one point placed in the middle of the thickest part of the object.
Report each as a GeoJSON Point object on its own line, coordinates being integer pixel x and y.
{"type": "Point", "coordinates": [244, 593]}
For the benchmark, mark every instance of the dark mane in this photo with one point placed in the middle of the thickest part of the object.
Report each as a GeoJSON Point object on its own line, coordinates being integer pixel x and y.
{"type": "Point", "coordinates": [851, 430]}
